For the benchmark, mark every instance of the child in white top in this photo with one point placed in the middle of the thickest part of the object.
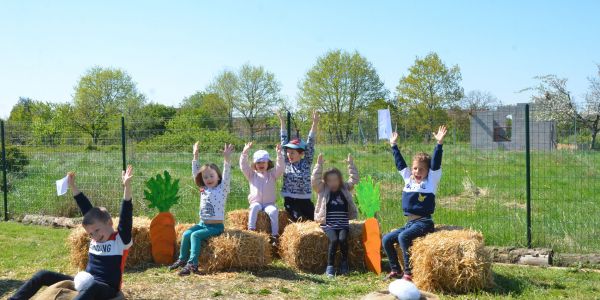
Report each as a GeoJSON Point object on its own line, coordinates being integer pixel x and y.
{"type": "Point", "coordinates": [262, 176]}
{"type": "Point", "coordinates": [214, 189]}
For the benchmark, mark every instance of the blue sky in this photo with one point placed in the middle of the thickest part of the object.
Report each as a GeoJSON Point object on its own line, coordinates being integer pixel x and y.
{"type": "Point", "coordinates": [174, 48]}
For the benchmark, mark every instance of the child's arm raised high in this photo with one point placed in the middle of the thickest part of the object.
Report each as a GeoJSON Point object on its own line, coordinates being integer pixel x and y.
{"type": "Point", "coordinates": [82, 201]}
{"type": "Point", "coordinates": [195, 165]}
{"type": "Point", "coordinates": [126, 215]}
{"type": "Point", "coordinates": [226, 180]}
{"type": "Point", "coordinates": [310, 142]}
{"type": "Point", "coordinates": [436, 159]}
{"type": "Point", "coordinates": [280, 162]}
{"type": "Point", "coordinates": [316, 179]}
{"type": "Point", "coordinates": [401, 165]}
{"type": "Point", "coordinates": [353, 178]}
{"type": "Point", "coordinates": [283, 133]}
{"type": "Point", "coordinates": [244, 165]}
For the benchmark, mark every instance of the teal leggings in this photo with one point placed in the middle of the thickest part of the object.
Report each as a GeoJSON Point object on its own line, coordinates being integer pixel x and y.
{"type": "Point", "coordinates": [192, 240]}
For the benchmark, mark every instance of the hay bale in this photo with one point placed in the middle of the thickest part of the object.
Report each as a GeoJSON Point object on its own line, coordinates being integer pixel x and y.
{"type": "Point", "coordinates": [303, 246]}
{"type": "Point", "coordinates": [238, 219]}
{"type": "Point", "coordinates": [141, 251]}
{"type": "Point", "coordinates": [451, 261]}
{"type": "Point", "coordinates": [234, 249]}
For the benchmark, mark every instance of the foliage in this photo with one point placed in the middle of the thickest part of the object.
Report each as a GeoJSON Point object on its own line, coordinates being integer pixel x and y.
{"type": "Point", "coordinates": [103, 94]}
{"type": "Point", "coordinates": [368, 197]}
{"type": "Point", "coordinates": [477, 100]}
{"type": "Point", "coordinates": [207, 109]}
{"type": "Point", "coordinates": [161, 192]}
{"type": "Point", "coordinates": [16, 160]}
{"type": "Point", "coordinates": [427, 91]}
{"type": "Point", "coordinates": [172, 141]}
{"type": "Point", "coordinates": [340, 84]}
{"type": "Point", "coordinates": [151, 121]}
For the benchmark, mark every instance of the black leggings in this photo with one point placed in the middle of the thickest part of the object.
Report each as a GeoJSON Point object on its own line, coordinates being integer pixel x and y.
{"type": "Point", "coordinates": [97, 290]}
{"type": "Point", "coordinates": [337, 237]}
{"type": "Point", "coordinates": [299, 209]}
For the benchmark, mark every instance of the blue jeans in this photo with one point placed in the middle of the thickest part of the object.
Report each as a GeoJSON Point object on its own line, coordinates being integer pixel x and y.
{"type": "Point", "coordinates": [192, 240]}
{"type": "Point", "coordinates": [404, 237]}
{"type": "Point", "coordinates": [97, 290]}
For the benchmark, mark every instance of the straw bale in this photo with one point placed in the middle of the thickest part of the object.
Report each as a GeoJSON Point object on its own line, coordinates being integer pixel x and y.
{"type": "Point", "coordinates": [450, 260]}
{"type": "Point", "coordinates": [303, 246]}
{"type": "Point", "coordinates": [141, 251]}
{"type": "Point", "coordinates": [238, 219]}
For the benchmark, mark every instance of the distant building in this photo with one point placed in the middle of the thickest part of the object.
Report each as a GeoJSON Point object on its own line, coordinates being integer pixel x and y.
{"type": "Point", "coordinates": [504, 128]}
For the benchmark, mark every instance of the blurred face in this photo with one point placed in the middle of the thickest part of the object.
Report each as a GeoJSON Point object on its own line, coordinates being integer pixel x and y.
{"type": "Point", "coordinates": [100, 231]}
{"type": "Point", "coordinates": [293, 155]}
{"type": "Point", "coordinates": [210, 177]}
{"type": "Point", "coordinates": [419, 171]}
{"type": "Point", "coordinates": [333, 182]}
{"type": "Point", "coordinates": [261, 166]}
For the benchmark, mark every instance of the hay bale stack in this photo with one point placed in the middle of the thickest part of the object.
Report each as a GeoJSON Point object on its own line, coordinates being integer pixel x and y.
{"type": "Point", "coordinates": [238, 219]}
{"type": "Point", "coordinates": [452, 261]}
{"type": "Point", "coordinates": [303, 246]}
{"type": "Point", "coordinates": [141, 251]}
{"type": "Point", "coordinates": [238, 249]}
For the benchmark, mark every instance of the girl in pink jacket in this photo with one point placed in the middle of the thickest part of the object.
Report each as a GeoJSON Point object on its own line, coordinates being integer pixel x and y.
{"type": "Point", "coordinates": [262, 176]}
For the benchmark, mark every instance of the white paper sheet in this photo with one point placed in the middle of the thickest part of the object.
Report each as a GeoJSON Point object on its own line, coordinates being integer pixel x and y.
{"type": "Point", "coordinates": [384, 124]}
{"type": "Point", "coordinates": [62, 186]}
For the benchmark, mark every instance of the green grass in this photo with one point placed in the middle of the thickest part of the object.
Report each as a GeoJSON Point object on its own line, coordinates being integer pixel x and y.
{"type": "Point", "coordinates": [28, 248]}
{"type": "Point", "coordinates": [565, 188]}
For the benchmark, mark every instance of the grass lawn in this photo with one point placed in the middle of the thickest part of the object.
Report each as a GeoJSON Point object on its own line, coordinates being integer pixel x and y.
{"type": "Point", "coordinates": [484, 190]}
{"type": "Point", "coordinates": [27, 248]}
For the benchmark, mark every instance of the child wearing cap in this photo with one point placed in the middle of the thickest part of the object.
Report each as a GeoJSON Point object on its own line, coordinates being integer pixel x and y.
{"type": "Point", "coordinates": [296, 189]}
{"type": "Point", "coordinates": [262, 176]}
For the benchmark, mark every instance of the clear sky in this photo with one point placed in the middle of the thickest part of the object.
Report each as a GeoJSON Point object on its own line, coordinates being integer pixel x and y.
{"type": "Point", "coordinates": [174, 48]}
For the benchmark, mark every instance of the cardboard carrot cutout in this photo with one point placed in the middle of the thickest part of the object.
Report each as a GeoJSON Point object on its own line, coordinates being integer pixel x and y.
{"type": "Point", "coordinates": [161, 192]}
{"type": "Point", "coordinates": [367, 194]}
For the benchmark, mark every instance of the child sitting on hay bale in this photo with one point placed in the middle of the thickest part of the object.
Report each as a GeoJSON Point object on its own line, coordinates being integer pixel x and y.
{"type": "Point", "coordinates": [296, 189]}
{"type": "Point", "coordinates": [107, 252]}
{"type": "Point", "coordinates": [214, 189]}
{"type": "Point", "coordinates": [418, 202]}
{"type": "Point", "coordinates": [335, 209]}
{"type": "Point", "coordinates": [262, 176]}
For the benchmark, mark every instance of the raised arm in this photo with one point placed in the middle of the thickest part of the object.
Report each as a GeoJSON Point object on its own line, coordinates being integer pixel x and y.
{"type": "Point", "coordinates": [244, 165]}
{"type": "Point", "coordinates": [82, 201]}
{"type": "Point", "coordinates": [195, 165]}
{"type": "Point", "coordinates": [316, 178]}
{"type": "Point", "coordinates": [226, 180]}
{"type": "Point", "coordinates": [398, 159]}
{"type": "Point", "coordinates": [280, 162]}
{"type": "Point", "coordinates": [311, 140]}
{"type": "Point", "coordinates": [126, 215]}
{"type": "Point", "coordinates": [353, 177]}
{"type": "Point", "coordinates": [436, 159]}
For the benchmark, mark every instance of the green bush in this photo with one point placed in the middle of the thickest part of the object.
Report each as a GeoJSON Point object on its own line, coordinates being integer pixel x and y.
{"type": "Point", "coordinates": [16, 160]}
{"type": "Point", "coordinates": [211, 141]}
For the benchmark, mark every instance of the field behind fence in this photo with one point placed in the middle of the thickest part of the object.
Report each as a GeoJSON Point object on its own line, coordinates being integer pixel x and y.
{"type": "Point", "coordinates": [482, 187]}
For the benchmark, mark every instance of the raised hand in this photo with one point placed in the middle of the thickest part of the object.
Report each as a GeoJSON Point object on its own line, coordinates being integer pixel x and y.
{"type": "Point", "coordinates": [127, 175]}
{"type": "Point", "coordinates": [196, 150]}
{"type": "Point", "coordinates": [394, 138]}
{"type": "Point", "coordinates": [315, 117]}
{"type": "Point", "coordinates": [441, 133]}
{"type": "Point", "coordinates": [247, 147]}
{"type": "Point", "coordinates": [320, 159]}
{"type": "Point", "coordinates": [278, 148]}
{"type": "Point", "coordinates": [350, 159]}
{"type": "Point", "coordinates": [71, 179]}
{"type": "Point", "coordinates": [227, 150]}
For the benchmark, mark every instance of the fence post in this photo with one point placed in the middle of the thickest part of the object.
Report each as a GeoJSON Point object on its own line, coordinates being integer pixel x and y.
{"type": "Point", "coordinates": [4, 183]}
{"type": "Point", "coordinates": [289, 126]}
{"type": "Point", "coordinates": [123, 142]}
{"type": "Point", "coordinates": [528, 174]}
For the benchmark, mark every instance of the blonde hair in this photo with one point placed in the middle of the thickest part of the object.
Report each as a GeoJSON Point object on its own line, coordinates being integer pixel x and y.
{"type": "Point", "coordinates": [200, 181]}
{"type": "Point", "coordinates": [96, 214]}
{"type": "Point", "coordinates": [422, 157]}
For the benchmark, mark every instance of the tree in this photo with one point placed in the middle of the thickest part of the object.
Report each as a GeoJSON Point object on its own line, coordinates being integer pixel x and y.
{"type": "Point", "coordinates": [150, 120]}
{"type": "Point", "coordinates": [427, 91]}
{"type": "Point", "coordinates": [252, 92]}
{"type": "Point", "coordinates": [37, 122]}
{"type": "Point", "coordinates": [101, 95]}
{"type": "Point", "coordinates": [340, 84]}
{"type": "Point", "coordinates": [553, 101]}
{"type": "Point", "coordinates": [225, 86]}
{"type": "Point", "coordinates": [477, 100]}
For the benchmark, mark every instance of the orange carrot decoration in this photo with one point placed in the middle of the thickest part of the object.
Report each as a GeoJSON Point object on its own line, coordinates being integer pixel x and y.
{"type": "Point", "coordinates": [161, 192]}
{"type": "Point", "coordinates": [367, 194]}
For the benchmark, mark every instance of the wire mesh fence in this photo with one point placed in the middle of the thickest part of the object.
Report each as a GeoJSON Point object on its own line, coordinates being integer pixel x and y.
{"type": "Point", "coordinates": [484, 184]}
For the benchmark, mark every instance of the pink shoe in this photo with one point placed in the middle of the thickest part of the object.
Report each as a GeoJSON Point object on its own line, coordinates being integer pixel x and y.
{"type": "Point", "coordinates": [407, 277]}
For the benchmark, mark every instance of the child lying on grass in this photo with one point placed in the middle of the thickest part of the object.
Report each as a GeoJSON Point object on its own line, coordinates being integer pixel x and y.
{"type": "Point", "coordinates": [107, 252]}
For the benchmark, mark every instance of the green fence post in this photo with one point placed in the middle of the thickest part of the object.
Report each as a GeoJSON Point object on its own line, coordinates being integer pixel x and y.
{"type": "Point", "coordinates": [123, 141]}
{"type": "Point", "coordinates": [4, 183]}
{"type": "Point", "coordinates": [528, 174]}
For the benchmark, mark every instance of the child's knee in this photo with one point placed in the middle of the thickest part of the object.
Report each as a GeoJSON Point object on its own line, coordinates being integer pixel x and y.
{"type": "Point", "coordinates": [199, 235]}
{"type": "Point", "coordinates": [187, 233]}
{"type": "Point", "coordinates": [255, 207]}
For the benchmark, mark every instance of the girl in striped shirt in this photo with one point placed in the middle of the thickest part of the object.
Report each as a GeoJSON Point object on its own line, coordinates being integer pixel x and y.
{"type": "Point", "coordinates": [334, 209]}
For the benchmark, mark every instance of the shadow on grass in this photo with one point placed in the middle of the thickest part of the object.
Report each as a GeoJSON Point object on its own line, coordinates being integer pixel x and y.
{"type": "Point", "coordinates": [506, 285]}
{"type": "Point", "coordinates": [9, 285]}
{"type": "Point", "coordinates": [285, 273]}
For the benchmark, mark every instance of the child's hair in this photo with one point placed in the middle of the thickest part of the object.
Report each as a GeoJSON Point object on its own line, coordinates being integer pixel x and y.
{"type": "Point", "coordinates": [96, 214]}
{"type": "Point", "coordinates": [269, 167]}
{"type": "Point", "coordinates": [200, 181]}
{"type": "Point", "coordinates": [333, 171]}
{"type": "Point", "coordinates": [422, 157]}
{"type": "Point", "coordinates": [300, 151]}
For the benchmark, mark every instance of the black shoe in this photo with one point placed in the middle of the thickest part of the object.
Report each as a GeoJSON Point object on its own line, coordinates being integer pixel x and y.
{"type": "Point", "coordinates": [344, 268]}
{"type": "Point", "coordinates": [274, 241]}
{"type": "Point", "coordinates": [189, 269]}
{"type": "Point", "coordinates": [176, 265]}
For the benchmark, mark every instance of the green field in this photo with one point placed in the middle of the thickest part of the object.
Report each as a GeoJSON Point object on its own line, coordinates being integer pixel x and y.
{"type": "Point", "coordinates": [28, 248]}
{"type": "Point", "coordinates": [484, 190]}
